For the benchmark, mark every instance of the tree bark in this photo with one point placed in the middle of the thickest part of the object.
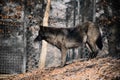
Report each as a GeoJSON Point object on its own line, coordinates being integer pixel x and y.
{"type": "Point", "coordinates": [44, 43]}
{"type": "Point", "coordinates": [94, 10]}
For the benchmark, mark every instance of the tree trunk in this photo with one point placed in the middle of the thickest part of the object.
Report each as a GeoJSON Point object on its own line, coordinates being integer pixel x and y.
{"type": "Point", "coordinates": [94, 10]}
{"type": "Point", "coordinates": [74, 21]}
{"type": "Point", "coordinates": [44, 43]}
{"type": "Point", "coordinates": [79, 6]}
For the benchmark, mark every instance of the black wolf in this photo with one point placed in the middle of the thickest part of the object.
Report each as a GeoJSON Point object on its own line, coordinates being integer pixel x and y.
{"type": "Point", "coordinates": [66, 38]}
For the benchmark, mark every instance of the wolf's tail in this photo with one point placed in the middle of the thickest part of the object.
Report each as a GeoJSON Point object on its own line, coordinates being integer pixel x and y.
{"type": "Point", "coordinates": [99, 42]}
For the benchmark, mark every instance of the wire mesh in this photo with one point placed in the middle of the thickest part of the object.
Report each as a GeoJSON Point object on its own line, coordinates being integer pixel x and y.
{"type": "Point", "coordinates": [12, 47]}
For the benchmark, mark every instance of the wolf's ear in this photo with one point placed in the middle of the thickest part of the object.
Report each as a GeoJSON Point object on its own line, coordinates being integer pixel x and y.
{"type": "Point", "coordinates": [41, 28]}
{"type": "Point", "coordinates": [38, 38]}
{"type": "Point", "coordinates": [40, 24]}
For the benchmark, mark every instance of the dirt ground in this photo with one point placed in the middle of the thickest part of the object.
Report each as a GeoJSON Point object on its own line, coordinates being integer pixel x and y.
{"type": "Point", "coordinates": [94, 69]}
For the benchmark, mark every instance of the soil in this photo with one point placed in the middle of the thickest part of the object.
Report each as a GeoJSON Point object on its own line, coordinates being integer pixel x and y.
{"type": "Point", "coordinates": [94, 69]}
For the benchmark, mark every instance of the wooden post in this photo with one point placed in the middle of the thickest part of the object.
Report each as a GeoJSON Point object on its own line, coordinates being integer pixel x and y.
{"type": "Point", "coordinates": [44, 43]}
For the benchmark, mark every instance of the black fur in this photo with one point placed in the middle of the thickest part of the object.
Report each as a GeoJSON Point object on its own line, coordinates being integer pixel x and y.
{"type": "Point", "coordinates": [66, 38]}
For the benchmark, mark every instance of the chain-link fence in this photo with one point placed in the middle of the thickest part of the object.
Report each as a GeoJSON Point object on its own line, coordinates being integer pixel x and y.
{"type": "Point", "coordinates": [12, 37]}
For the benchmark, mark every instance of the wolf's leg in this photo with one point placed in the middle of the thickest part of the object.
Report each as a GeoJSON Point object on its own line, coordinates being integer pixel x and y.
{"type": "Point", "coordinates": [63, 56]}
{"type": "Point", "coordinates": [94, 49]}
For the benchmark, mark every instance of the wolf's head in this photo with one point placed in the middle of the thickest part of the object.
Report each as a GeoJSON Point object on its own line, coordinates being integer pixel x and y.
{"type": "Point", "coordinates": [40, 34]}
